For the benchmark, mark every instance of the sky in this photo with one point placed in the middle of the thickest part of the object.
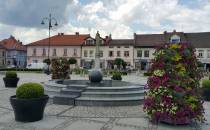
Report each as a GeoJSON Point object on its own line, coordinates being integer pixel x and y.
{"type": "Point", "coordinates": [120, 18]}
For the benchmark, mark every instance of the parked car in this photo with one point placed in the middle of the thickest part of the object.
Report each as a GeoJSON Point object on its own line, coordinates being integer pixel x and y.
{"type": "Point", "coordinates": [37, 66]}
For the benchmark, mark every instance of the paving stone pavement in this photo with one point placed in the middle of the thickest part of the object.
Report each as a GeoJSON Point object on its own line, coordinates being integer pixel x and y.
{"type": "Point", "coordinates": [64, 117]}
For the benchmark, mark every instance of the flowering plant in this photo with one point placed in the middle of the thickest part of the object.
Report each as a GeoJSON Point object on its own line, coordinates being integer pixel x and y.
{"type": "Point", "coordinates": [174, 85]}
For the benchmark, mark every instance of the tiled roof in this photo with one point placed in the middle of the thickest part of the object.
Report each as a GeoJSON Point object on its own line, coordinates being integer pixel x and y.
{"type": "Point", "coordinates": [148, 40]}
{"type": "Point", "coordinates": [62, 40]}
{"type": "Point", "coordinates": [12, 44]}
{"type": "Point", "coordinates": [121, 42]}
{"type": "Point", "coordinates": [198, 40]}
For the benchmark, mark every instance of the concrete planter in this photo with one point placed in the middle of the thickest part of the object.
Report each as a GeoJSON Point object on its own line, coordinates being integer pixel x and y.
{"type": "Point", "coordinates": [11, 82]}
{"type": "Point", "coordinates": [28, 110]}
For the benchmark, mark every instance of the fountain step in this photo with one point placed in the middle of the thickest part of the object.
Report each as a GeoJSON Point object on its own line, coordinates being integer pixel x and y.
{"type": "Point", "coordinates": [122, 101]}
{"type": "Point", "coordinates": [113, 94]}
{"type": "Point", "coordinates": [75, 86]}
{"type": "Point", "coordinates": [64, 99]}
{"type": "Point", "coordinates": [71, 91]}
{"type": "Point", "coordinates": [114, 89]}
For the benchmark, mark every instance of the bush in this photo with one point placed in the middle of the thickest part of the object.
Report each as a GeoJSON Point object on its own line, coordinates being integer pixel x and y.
{"type": "Point", "coordinates": [29, 91]}
{"type": "Point", "coordinates": [116, 76]}
{"type": "Point", "coordinates": [18, 69]}
{"type": "Point", "coordinates": [123, 72]}
{"type": "Point", "coordinates": [11, 74]}
{"type": "Point", "coordinates": [206, 83]}
{"type": "Point", "coordinates": [72, 61]}
{"type": "Point", "coordinates": [147, 74]}
{"type": "Point", "coordinates": [47, 61]}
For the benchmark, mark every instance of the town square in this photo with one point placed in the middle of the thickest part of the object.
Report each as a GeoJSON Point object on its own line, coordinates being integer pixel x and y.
{"type": "Point", "coordinates": [104, 65]}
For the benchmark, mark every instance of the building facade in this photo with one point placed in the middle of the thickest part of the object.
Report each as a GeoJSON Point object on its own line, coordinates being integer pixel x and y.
{"type": "Point", "coordinates": [15, 53]}
{"type": "Point", "coordinates": [2, 57]}
{"type": "Point", "coordinates": [61, 45]}
{"type": "Point", "coordinates": [136, 52]}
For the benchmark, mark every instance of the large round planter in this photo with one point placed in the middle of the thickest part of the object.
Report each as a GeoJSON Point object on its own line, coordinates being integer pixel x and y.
{"type": "Point", "coordinates": [28, 110]}
{"type": "Point", "coordinates": [11, 82]}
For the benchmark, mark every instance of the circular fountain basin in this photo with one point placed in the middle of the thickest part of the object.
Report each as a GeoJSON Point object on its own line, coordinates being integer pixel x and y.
{"type": "Point", "coordinates": [86, 93]}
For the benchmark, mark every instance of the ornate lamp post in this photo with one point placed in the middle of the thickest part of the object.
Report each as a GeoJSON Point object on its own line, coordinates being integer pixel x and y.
{"type": "Point", "coordinates": [50, 21]}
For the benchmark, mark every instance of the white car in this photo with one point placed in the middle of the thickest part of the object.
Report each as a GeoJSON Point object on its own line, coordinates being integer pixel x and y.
{"type": "Point", "coordinates": [37, 66]}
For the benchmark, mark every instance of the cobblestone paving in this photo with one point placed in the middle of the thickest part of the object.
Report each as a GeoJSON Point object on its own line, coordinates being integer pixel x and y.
{"type": "Point", "coordinates": [64, 117]}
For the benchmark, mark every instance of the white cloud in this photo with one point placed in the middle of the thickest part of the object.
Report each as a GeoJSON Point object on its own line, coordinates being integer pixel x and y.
{"type": "Point", "coordinates": [121, 18]}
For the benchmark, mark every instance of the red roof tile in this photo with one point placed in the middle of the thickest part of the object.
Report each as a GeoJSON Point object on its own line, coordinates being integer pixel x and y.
{"type": "Point", "coordinates": [62, 40]}
{"type": "Point", "coordinates": [13, 44]}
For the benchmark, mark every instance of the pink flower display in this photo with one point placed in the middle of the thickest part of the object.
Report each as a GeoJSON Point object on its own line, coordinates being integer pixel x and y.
{"type": "Point", "coordinates": [173, 94]}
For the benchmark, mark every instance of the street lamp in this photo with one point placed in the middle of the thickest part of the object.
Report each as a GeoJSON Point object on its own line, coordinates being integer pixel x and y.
{"type": "Point", "coordinates": [50, 21]}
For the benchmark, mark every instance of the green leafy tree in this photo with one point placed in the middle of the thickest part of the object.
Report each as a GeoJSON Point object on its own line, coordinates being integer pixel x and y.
{"type": "Point", "coordinates": [72, 60]}
{"type": "Point", "coordinates": [119, 62]}
{"type": "Point", "coordinates": [47, 61]}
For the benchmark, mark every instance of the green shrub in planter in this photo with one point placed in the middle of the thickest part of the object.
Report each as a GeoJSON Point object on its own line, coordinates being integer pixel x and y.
{"type": "Point", "coordinates": [116, 76]}
{"type": "Point", "coordinates": [29, 102]}
{"type": "Point", "coordinates": [29, 91]}
{"type": "Point", "coordinates": [206, 89]}
{"type": "Point", "coordinates": [11, 79]}
{"type": "Point", "coordinates": [11, 74]}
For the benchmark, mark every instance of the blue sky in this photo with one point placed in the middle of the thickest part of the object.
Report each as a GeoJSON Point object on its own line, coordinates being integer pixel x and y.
{"type": "Point", "coordinates": [121, 18]}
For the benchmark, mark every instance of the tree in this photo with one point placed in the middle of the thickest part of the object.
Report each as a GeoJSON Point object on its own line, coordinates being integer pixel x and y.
{"type": "Point", "coordinates": [173, 95]}
{"type": "Point", "coordinates": [72, 60]}
{"type": "Point", "coordinates": [119, 62]}
{"type": "Point", "coordinates": [47, 61]}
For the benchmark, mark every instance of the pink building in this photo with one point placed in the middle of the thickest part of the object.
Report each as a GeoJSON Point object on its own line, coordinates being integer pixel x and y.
{"type": "Point", "coordinates": [61, 45]}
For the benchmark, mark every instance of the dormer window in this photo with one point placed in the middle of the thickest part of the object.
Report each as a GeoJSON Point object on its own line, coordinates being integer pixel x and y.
{"type": "Point", "coordinates": [89, 42]}
{"type": "Point", "coordinates": [175, 39]}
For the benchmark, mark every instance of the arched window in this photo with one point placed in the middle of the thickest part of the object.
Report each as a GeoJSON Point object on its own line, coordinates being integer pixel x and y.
{"type": "Point", "coordinates": [175, 39]}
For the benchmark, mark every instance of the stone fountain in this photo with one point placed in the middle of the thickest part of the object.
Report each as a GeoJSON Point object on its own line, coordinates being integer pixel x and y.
{"type": "Point", "coordinates": [95, 91]}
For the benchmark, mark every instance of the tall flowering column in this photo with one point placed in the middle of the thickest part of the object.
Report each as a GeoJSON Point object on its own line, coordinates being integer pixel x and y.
{"type": "Point", "coordinates": [173, 94]}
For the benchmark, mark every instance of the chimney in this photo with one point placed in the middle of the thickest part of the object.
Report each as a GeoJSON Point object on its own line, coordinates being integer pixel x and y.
{"type": "Point", "coordinates": [59, 34]}
{"type": "Point", "coordinates": [164, 32]}
{"type": "Point", "coordinates": [62, 33]}
{"type": "Point", "coordinates": [77, 33]}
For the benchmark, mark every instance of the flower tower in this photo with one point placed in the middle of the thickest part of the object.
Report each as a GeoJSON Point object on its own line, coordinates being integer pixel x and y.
{"type": "Point", "coordinates": [174, 93]}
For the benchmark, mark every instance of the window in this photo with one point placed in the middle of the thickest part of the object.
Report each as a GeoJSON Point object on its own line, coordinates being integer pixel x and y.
{"type": "Point", "coordinates": [111, 46]}
{"type": "Point", "coordinates": [126, 46]}
{"type": "Point", "coordinates": [126, 53]}
{"type": "Point", "coordinates": [91, 53]}
{"type": "Point", "coordinates": [175, 39]}
{"type": "Point", "coordinates": [65, 52]}
{"type": "Point", "coordinates": [34, 52]}
{"type": "Point", "coordinates": [200, 53]}
{"type": "Point", "coordinates": [118, 46]}
{"type": "Point", "coordinates": [208, 53]}
{"type": "Point", "coordinates": [111, 54]}
{"type": "Point", "coordinates": [139, 53]}
{"type": "Point", "coordinates": [85, 53]}
{"type": "Point", "coordinates": [3, 53]}
{"type": "Point", "coordinates": [44, 52]}
{"type": "Point", "coordinates": [75, 52]}
{"type": "Point", "coordinates": [118, 53]}
{"type": "Point", "coordinates": [54, 52]}
{"type": "Point", "coordinates": [146, 53]}
{"type": "Point", "coordinates": [89, 42]}
{"type": "Point", "coordinates": [35, 61]}
{"type": "Point", "coordinates": [101, 53]}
